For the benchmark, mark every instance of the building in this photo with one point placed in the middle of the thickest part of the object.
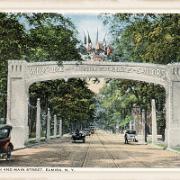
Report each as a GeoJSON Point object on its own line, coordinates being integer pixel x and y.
{"type": "Point", "coordinates": [99, 52]}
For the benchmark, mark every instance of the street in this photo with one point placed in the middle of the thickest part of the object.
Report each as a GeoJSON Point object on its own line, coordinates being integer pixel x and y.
{"type": "Point", "coordinates": [100, 150]}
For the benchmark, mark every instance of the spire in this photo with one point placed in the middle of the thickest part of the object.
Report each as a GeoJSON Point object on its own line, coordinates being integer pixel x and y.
{"type": "Point", "coordinates": [89, 42]}
{"type": "Point", "coordinates": [89, 39]}
{"type": "Point", "coordinates": [104, 40]}
{"type": "Point", "coordinates": [97, 36]}
{"type": "Point", "coordinates": [85, 39]}
{"type": "Point", "coordinates": [97, 41]}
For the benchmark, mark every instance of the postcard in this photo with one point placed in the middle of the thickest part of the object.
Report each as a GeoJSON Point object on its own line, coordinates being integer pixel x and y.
{"type": "Point", "coordinates": [89, 90]}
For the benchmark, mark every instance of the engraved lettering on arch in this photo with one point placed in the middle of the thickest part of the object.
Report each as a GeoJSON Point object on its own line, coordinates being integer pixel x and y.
{"type": "Point", "coordinates": [45, 70]}
{"type": "Point", "coordinates": [176, 71]}
{"type": "Point", "coordinates": [33, 70]}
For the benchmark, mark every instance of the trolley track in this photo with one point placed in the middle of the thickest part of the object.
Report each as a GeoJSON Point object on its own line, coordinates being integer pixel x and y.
{"type": "Point", "coordinates": [132, 158]}
{"type": "Point", "coordinates": [107, 151]}
{"type": "Point", "coordinates": [86, 154]}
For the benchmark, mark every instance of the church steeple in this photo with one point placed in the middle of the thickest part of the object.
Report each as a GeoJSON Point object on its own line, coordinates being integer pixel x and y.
{"type": "Point", "coordinates": [85, 39]}
{"type": "Point", "coordinates": [89, 42]}
{"type": "Point", "coordinates": [99, 50]}
{"type": "Point", "coordinates": [97, 41]}
{"type": "Point", "coordinates": [97, 36]}
{"type": "Point", "coordinates": [89, 39]}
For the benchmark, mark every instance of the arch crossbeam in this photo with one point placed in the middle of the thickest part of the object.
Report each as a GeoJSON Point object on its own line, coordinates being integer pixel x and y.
{"type": "Point", "coordinates": [136, 71]}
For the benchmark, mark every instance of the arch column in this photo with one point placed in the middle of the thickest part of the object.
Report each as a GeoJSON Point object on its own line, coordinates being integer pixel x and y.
{"type": "Point", "coordinates": [17, 103]}
{"type": "Point", "coordinates": [154, 121]}
{"type": "Point", "coordinates": [173, 115]}
{"type": "Point", "coordinates": [60, 128]}
{"type": "Point", "coordinates": [38, 121]}
{"type": "Point", "coordinates": [55, 126]}
{"type": "Point", "coordinates": [48, 125]}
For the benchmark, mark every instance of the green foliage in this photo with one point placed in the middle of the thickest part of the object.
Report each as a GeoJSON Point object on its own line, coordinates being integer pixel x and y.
{"type": "Point", "coordinates": [125, 121]}
{"type": "Point", "coordinates": [146, 37]}
{"type": "Point", "coordinates": [143, 38]}
{"type": "Point", "coordinates": [12, 37]}
{"type": "Point", "coordinates": [115, 105]}
{"type": "Point", "coordinates": [52, 38]}
{"type": "Point", "coordinates": [44, 37]}
{"type": "Point", "coordinates": [72, 101]}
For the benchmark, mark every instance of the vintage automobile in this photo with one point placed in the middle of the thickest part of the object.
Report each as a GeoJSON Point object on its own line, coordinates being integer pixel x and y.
{"type": "Point", "coordinates": [92, 129]}
{"type": "Point", "coordinates": [131, 135]}
{"type": "Point", "coordinates": [87, 131]}
{"type": "Point", "coordinates": [78, 136]}
{"type": "Point", "coordinates": [6, 147]}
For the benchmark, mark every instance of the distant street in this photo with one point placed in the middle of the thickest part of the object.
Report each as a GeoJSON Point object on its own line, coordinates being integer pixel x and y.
{"type": "Point", "coordinates": [100, 150]}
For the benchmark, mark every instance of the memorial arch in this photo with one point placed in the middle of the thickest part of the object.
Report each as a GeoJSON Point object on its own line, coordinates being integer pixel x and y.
{"type": "Point", "coordinates": [22, 74]}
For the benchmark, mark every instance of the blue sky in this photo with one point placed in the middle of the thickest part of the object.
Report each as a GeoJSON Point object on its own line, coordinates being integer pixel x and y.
{"type": "Point", "coordinates": [88, 22]}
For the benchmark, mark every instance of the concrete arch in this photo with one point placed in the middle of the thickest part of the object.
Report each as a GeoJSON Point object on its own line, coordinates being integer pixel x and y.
{"type": "Point", "coordinates": [22, 74]}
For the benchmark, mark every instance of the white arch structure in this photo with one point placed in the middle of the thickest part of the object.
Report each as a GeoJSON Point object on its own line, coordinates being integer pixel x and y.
{"type": "Point", "coordinates": [22, 74]}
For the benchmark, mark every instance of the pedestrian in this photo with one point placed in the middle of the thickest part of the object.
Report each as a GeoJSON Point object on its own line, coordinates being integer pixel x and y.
{"type": "Point", "coordinates": [126, 138]}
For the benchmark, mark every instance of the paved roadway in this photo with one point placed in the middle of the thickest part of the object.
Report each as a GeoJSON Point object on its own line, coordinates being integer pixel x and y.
{"type": "Point", "coordinates": [100, 150]}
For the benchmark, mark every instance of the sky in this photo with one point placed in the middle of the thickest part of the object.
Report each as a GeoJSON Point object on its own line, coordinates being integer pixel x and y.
{"type": "Point", "coordinates": [88, 23]}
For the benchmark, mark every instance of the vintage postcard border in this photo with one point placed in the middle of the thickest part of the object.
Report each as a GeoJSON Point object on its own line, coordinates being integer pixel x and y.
{"type": "Point", "coordinates": [73, 6]}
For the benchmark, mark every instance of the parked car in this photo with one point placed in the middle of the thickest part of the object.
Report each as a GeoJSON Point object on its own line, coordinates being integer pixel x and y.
{"type": "Point", "coordinates": [6, 147]}
{"type": "Point", "coordinates": [87, 131]}
{"type": "Point", "coordinates": [92, 129]}
{"type": "Point", "coordinates": [131, 135]}
{"type": "Point", "coordinates": [78, 136]}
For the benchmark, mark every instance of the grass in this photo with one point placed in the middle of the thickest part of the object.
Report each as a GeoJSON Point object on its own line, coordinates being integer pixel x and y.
{"type": "Point", "coordinates": [33, 141]}
{"type": "Point", "coordinates": [177, 149]}
{"type": "Point", "coordinates": [164, 146]}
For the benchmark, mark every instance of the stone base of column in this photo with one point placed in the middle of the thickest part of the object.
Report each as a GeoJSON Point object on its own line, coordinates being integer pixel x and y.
{"type": "Point", "coordinates": [19, 136]}
{"type": "Point", "coordinates": [38, 140]}
{"type": "Point", "coordinates": [173, 138]}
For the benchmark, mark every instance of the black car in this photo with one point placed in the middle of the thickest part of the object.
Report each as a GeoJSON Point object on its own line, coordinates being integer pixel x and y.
{"type": "Point", "coordinates": [6, 147]}
{"type": "Point", "coordinates": [78, 136]}
{"type": "Point", "coordinates": [87, 131]}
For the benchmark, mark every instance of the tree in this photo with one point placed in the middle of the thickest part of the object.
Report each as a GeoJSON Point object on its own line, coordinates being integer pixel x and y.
{"type": "Point", "coordinates": [72, 101]}
{"type": "Point", "coordinates": [12, 38]}
{"type": "Point", "coordinates": [52, 37]}
{"type": "Point", "coordinates": [145, 37]}
{"type": "Point", "coordinates": [39, 37]}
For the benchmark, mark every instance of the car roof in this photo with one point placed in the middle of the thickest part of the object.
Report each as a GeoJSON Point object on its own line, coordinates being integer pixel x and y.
{"type": "Point", "coordinates": [131, 131]}
{"type": "Point", "coordinates": [5, 126]}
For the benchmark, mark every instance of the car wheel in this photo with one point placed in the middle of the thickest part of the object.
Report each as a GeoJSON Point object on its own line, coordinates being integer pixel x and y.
{"type": "Point", "coordinates": [9, 153]}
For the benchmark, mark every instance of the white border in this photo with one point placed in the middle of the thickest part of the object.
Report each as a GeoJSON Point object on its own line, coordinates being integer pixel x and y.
{"type": "Point", "coordinates": [123, 6]}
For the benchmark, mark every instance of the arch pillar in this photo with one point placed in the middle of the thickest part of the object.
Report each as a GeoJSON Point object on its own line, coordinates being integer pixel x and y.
{"type": "Point", "coordinates": [173, 115]}
{"type": "Point", "coordinates": [172, 132]}
{"type": "Point", "coordinates": [17, 103]}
